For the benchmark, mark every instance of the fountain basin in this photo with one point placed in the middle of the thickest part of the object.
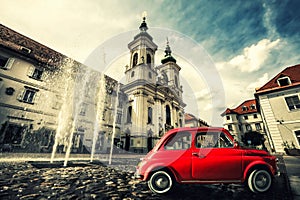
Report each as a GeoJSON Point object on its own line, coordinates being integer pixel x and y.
{"type": "Point", "coordinates": [60, 164]}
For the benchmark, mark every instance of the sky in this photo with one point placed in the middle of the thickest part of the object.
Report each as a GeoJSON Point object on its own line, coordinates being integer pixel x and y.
{"type": "Point", "coordinates": [226, 48]}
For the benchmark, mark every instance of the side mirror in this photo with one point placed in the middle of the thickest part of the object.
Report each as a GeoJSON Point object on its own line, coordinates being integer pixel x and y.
{"type": "Point", "coordinates": [236, 144]}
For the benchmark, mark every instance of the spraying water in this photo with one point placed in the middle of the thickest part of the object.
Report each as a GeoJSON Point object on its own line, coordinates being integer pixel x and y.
{"type": "Point", "coordinates": [76, 83]}
{"type": "Point", "coordinates": [82, 78]}
{"type": "Point", "coordinates": [100, 102]}
{"type": "Point", "coordinates": [65, 114]}
{"type": "Point", "coordinates": [114, 125]}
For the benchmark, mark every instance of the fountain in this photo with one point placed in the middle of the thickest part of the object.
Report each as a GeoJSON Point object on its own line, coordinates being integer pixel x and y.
{"type": "Point", "coordinates": [99, 113]}
{"type": "Point", "coordinates": [77, 84]}
{"type": "Point", "coordinates": [114, 125]}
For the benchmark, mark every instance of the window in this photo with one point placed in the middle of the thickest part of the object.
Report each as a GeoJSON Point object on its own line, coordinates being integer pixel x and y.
{"type": "Point", "coordinates": [179, 141]}
{"type": "Point", "coordinates": [297, 134]}
{"type": "Point", "coordinates": [252, 107]}
{"type": "Point", "coordinates": [284, 81]}
{"type": "Point", "coordinates": [227, 117]}
{"type": "Point", "coordinates": [132, 74]}
{"type": "Point", "coordinates": [244, 108]}
{"type": "Point", "coordinates": [293, 102]}
{"type": "Point", "coordinates": [129, 114]}
{"type": "Point", "coordinates": [248, 127]}
{"type": "Point", "coordinates": [257, 126]}
{"type": "Point", "coordinates": [28, 95]}
{"type": "Point", "coordinates": [14, 134]}
{"type": "Point", "coordinates": [245, 117]}
{"type": "Point", "coordinates": [6, 63]}
{"type": "Point", "coordinates": [47, 138]}
{"type": "Point", "coordinates": [150, 75]}
{"type": "Point", "coordinates": [255, 116]}
{"type": "Point", "coordinates": [83, 108]}
{"type": "Point", "coordinates": [135, 59]}
{"type": "Point", "coordinates": [119, 118]}
{"type": "Point", "coordinates": [148, 58]}
{"type": "Point", "coordinates": [168, 115]}
{"type": "Point", "coordinates": [230, 127]}
{"type": "Point", "coordinates": [176, 81]}
{"type": "Point", "coordinates": [35, 73]}
{"type": "Point", "coordinates": [212, 140]}
{"type": "Point", "coordinates": [149, 115]}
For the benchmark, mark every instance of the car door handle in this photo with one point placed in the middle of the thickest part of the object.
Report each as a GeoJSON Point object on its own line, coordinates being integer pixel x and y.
{"type": "Point", "coordinates": [198, 155]}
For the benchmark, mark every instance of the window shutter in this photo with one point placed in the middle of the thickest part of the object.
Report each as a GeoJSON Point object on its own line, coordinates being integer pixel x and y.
{"type": "Point", "coordinates": [9, 63]}
{"type": "Point", "coordinates": [21, 95]}
{"type": "Point", "coordinates": [30, 71]}
{"type": "Point", "coordinates": [36, 97]}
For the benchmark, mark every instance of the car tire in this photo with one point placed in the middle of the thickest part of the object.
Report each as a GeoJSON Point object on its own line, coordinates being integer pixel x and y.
{"type": "Point", "coordinates": [259, 181]}
{"type": "Point", "coordinates": [160, 182]}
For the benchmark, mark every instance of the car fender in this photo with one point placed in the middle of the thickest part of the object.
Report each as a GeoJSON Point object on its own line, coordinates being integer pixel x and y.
{"type": "Point", "coordinates": [255, 164]}
{"type": "Point", "coordinates": [156, 167]}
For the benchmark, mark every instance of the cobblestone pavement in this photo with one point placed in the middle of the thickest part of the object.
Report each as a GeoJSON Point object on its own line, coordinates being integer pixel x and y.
{"type": "Point", "coordinates": [20, 180]}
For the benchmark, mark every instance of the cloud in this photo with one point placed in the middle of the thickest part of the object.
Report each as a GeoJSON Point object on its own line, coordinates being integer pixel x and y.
{"type": "Point", "coordinates": [253, 57]}
{"type": "Point", "coordinates": [258, 83]}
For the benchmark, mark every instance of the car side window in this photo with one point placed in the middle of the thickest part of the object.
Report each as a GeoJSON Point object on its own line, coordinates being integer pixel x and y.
{"type": "Point", "coordinates": [224, 141]}
{"type": "Point", "coordinates": [179, 141]}
{"type": "Point", "coordinates": [212, 140]}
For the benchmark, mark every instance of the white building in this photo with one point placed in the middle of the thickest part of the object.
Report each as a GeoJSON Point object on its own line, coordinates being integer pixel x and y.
{"type": "Point", "coordinates": [279, 105]}
{"type": "Point", "coordinates": [244, 118]}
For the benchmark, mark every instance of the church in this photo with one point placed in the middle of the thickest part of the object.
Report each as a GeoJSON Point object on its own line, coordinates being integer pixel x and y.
{"type": "Point", "coordinates": [153, 93]}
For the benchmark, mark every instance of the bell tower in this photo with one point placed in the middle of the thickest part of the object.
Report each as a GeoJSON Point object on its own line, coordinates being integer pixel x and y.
{"type": "Point", "coordinates": [142, 56]}
{"type": "Point", "coordinates": [169, 71]}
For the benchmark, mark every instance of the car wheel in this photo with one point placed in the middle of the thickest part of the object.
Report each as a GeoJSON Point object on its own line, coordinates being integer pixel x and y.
{"type": "Point", "coordinates": [160, 182]}
{"type": "Point", "coordinates": [259, 181]}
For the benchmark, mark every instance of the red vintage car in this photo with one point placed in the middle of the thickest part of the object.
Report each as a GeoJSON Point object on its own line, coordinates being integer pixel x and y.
{"type": "Point", "coordinates": [205, 156]}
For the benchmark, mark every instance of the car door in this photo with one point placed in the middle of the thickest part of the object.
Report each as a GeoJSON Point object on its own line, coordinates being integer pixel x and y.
{"type": "Point", "coordinates": [214, 157]}
{"type": "Point", "coordinates": [176, 154]}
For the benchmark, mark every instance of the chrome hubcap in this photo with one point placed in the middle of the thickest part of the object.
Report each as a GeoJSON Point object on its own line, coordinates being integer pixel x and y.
{"type": "Point", "coordinates": [261, 181]}
{"type": "Point", "coordinates": [161, 182]}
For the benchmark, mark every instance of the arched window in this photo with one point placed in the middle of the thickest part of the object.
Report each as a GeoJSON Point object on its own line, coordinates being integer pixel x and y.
{"type": "Point", "coordinates": [168, 115]}
{"type": "Point", "coordinates": [129, 114]}
{"type": "Point", "coordinates": [132, 74]}
{"type": "Point", "coordinates": [180, 123]}
{"type": "Point", "coordinates": [150, 75]}
{"type": "Point", "coordinates": [135, 59]}
{"type": "Point", "coordinates": [148, 58]}
{"type": "Point", "coordinates": [176, 81]}
{"type": "Point", "coordinates": [149, 115]}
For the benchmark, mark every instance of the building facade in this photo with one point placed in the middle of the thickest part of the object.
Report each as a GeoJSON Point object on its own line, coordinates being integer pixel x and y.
{"type": "Point", "coordinates": [47, 97]}
{"type": "Point", "coordinates": [242, 119]}
{"type": "Point", "coordinates": [153, 94]}
{"type": "Point", "coordinates": [279, 106]}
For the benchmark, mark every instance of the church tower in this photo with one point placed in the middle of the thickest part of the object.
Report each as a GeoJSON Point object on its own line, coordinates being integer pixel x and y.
{"type": "Point", "coordinates": [153, 102]}
{"type": "Point", "coordinates": [142, 54]}
{"type": "Point", "coordinates": [169, 72]}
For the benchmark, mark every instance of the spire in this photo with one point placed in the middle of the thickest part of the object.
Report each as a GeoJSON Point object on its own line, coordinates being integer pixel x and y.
{"type": "Point", "coordinates": [168, 49]}
{"type": "Point", "coordinates": [168, 57]}
{"type": "Point", "coordinates": [143, 26]}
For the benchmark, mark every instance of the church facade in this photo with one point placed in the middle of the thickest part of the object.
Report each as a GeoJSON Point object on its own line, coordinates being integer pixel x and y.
{"type": "Point", "coordinates": [153, 102]}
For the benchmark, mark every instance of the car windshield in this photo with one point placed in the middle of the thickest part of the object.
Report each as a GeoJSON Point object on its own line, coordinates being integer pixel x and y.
{"type": "Point", "coordinates": [212, 140]}
{"type": "Point", "coordinates": [178, 141]}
